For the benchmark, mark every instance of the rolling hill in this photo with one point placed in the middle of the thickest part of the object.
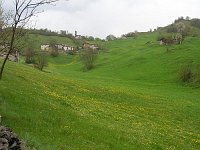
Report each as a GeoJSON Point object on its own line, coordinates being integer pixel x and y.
{"type": "Point", "coordinates": [132, 99]}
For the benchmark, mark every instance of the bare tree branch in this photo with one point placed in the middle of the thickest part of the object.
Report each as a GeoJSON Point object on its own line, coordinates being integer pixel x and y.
{"type": "Point", "coordinates": [24, 10]}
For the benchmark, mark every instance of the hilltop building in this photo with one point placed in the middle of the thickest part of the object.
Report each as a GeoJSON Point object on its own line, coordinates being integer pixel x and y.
{"type": "Point", "coordinates": [78, 37]}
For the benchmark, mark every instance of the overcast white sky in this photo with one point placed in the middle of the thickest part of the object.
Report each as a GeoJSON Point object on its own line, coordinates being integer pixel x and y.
{"type": "Point", "coordinates": [102, 17]}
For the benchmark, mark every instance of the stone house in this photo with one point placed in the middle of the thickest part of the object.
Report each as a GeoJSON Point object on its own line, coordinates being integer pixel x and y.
{"type": "Point", "coordinates": [45, 47]}
{"type": "Point", "coordinates": [91, 46]}
{"type": "Point", "coordinates": [68, 48]}
{"type": "Point", "coordinates": [59, 46]}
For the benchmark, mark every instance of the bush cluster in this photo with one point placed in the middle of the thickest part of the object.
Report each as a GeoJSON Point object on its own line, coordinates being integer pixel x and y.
{"type": "Point", "coordinates": [186, 74]}
{"type": "Point", "coordinates": [54, 52]}
{"type": "Point", "coordinates": [29, 56]}
{"type": "Point", "coordinates": [197, 75]}
{"type": "Point", "coordinates": [88, 58]}
{"type": "Point", "coordinates": [172, 28]}
{"type": "Point", "coordinates": [195, 23]}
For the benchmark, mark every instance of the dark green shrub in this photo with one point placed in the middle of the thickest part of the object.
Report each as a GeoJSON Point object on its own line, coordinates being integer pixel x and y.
{"type": "Point", "coordinates": [195, 23]}
{"type": "Point", "coordinates": [53, 49]}
{"type": "Point", "coordinates": [41, 61]}
{"type": "Point", "coordinates": [185, 73]}
{"type": "Point", "coordinates": [172, 28]}
{"type": "Point", "coordinates": [160, 36]}
{"type": "Point", "coordinates": [166, 38]}
{"type": "Point", "coordinates": [54, 52]}
{"type": "Point", "coordinates": [197, 75]}
{"type": "Point", "coordinates": [71, 52]}
{"type": "Point", "coordinates": [88, 58]}
{"type": "Point", "coordinates": [29, 56]}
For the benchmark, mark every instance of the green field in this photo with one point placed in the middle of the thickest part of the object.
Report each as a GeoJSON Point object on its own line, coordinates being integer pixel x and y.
{"type": "Point", "coordinates": [132, 99]}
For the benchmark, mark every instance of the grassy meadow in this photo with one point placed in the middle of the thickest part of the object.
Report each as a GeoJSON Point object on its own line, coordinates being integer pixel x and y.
{"type": "Point", "coordinates": [132, 99]}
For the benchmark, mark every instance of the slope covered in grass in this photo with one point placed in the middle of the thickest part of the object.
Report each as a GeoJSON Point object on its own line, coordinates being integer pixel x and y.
{"type": "Point", "coordinates": [134, 63]}
{"type": "Point", "coordinates": [36, 40]}
{"type": "Point", "coordinates": [132, 99]}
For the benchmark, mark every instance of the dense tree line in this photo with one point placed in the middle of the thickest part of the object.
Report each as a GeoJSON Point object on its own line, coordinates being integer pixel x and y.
{"type": "Point", "coordinates": [195, 23]}
{"type": "Point", "coordinates": [47, 32]}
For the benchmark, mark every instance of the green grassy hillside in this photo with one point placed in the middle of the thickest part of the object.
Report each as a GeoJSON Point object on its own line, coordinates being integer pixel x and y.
{"type": "Point", "coordinates": [132, 99]}
{"type": "Point", "coordinates": [36, 40]}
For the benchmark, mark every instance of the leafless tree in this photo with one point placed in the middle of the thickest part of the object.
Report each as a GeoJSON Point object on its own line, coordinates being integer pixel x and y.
{"type": "Point", "coordinates": [1, 16]}
{"type": "Point", "coordinates": [23, 12]}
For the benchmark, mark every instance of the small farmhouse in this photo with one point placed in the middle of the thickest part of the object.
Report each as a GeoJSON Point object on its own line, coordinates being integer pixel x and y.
{"type": "Point", "coordinates": [59, 46]}
{"type": "Point", "coordinates": [86, 45]}
{"type": "Point", "coordinates": [91, 46]}
{"type": "Point", "coordinates": [45, 47]}
{"type": "Point", "coordinates": [68, 48]}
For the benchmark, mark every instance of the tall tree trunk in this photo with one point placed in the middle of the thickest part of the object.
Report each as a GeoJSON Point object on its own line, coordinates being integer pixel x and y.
{"type": "Point", "coordinates": [10, 49]}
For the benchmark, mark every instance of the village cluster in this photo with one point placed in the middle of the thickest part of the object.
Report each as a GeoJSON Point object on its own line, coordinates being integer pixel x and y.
{"type": "Point", "coordinates": [67, 48]}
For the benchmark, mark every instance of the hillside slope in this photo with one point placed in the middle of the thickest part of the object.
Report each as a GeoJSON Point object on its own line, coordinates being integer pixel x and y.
{"type": "Point", "coordinates": [134, 63]}
{"type": "Point", "coordinates": [132, 99]}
